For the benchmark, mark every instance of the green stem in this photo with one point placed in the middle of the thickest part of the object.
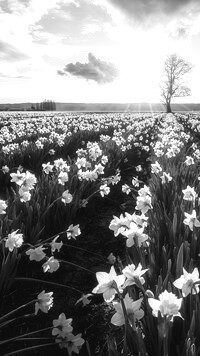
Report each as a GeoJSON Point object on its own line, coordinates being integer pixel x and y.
{"type": "Point", "coordinates": [47, 282]}
{"type": "Point", "coordinates": [75, 265]}
{"type": "Point", "coordinates": [165, 336]}
{"type": "Point", "coordinates": [49, 207]}
{"type": "Point", "coordinates": [125, 349]}
{"type": "Point", "coordinates": [26, 334]}
{"type": "Point", "coordinates": [165, 348]}
{"type": "Point", "coordinates": [82, 249]}
{"type": "Point", "coordinates": [18, 318]}
{"type": "Point", "coordinates": [13, 353]}
{"type": "Point", "coordinates": [191, 306]}
{"type": "Point", "coordinates": [91, 195]}
{"type": "Point", "coordinates": [15, 310]}
{"type": "Point", "coordinates": [33, 338]}
{"type": "Point", "coordinates": [49, 238]}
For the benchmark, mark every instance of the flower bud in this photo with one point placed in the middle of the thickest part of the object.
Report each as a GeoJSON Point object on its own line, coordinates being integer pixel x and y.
{"type": "Point", "coordinates": [149, 293]}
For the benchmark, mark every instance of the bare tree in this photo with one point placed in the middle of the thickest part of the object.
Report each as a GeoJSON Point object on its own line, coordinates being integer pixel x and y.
{"type": "Point", "coordinates": [173, 85]}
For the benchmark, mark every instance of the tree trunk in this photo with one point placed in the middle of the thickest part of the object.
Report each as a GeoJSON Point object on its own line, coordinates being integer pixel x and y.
{"type": "Point", "coordinates": [168, 107]}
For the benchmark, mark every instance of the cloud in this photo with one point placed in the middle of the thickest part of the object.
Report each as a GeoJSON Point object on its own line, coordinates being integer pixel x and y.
{"type": "Point", "coordinates": [7, 76]}
{"type": "Point", "coordinates": [95, 69]}
{"type": "Point", "coordinates": [4, 6]}
{"type": "Point", "coordinates": [76, 20]}
{"type": "Point", "coordinates": [11, 53]}
{"type": "Point", "coordinates": [180, 31]}
{"type": "Point", "coordinates": [91, 28]}
{"type": "Point", "coordinates": [140, 10]}
{"type": "Point", "coordinates": [61, 72]}
{"type": "Point", "coordinates": [14, 6]}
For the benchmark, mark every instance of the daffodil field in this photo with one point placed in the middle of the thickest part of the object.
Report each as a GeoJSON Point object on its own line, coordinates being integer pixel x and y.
{"type": "Point", "coordinates": [99, 234]}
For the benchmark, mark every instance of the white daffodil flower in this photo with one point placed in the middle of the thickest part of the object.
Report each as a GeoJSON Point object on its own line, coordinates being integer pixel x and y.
{"type": "Point", "coordinates": [189, 193]}
{"type": "Point", "coordinates": [133, 275]}
{"type": "Point", "coordinates": [191, 220]}
{"type": "Point", "coordinates": [133, 309]}
{"type": "Point", "coordinates": [168, 305]}
{"type": "Point", "coordinates": [188, 282]}
{"type": "Point", "coordinates": [62, 326]}
{"type": "Point", "coordinates": [14, 240]}
{"type": "Point", "coordinates": [44, 302]}
{"type": "Point", "coordinates": [107, 282]}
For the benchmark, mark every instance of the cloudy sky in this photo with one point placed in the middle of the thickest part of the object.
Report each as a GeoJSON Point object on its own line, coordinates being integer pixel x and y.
{"type": "Point", "coordinates": [95, 50]}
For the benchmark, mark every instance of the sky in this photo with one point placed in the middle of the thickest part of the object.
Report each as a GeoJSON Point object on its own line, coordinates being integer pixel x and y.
{"type": "Point", "coordinates": [95, 51]}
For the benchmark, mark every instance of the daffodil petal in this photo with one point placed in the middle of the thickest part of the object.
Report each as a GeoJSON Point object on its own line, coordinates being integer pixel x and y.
{"type": "Point", "coordinates": [109, 294]}
{"type": "Point", "coordinates": [118, 319]}
{"type": "Point", "coordinates": [154, 304]}
{"type": "Point", "coordinates": [102, 277]}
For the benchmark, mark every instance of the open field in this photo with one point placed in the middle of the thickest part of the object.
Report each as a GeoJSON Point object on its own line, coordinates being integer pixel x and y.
{"type": "Point", "coordinates": [99, 234]}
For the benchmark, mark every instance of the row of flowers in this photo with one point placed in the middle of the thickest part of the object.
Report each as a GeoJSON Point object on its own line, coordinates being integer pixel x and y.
{"type": "Point", "coordinates": [18, 134]}
{"type": "Point", "coordinates": [125, 288]}
{"type": "Point", "coordinates": [139, 232]}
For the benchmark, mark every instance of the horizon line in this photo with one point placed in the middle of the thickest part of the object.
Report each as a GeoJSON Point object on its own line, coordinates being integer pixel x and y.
{"type": "Point", "coordinates": [99, 103]}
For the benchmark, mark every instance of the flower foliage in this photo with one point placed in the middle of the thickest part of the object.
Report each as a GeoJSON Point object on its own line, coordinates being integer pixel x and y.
{"type": "Point", "coordinates": [56, 171]}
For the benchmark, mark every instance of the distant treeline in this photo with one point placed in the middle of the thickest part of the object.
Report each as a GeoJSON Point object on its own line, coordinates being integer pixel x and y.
{"type": "Point", "coordinates": [46, 105]}
{"type": "Point", "coordinates": [50, 105]}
